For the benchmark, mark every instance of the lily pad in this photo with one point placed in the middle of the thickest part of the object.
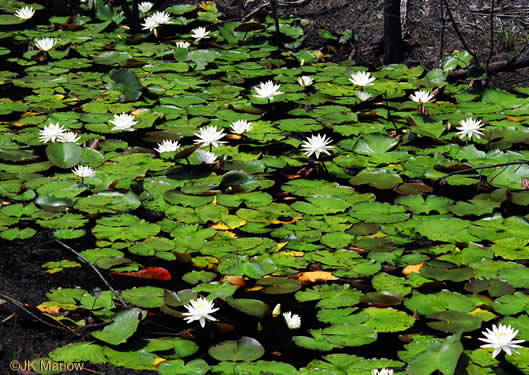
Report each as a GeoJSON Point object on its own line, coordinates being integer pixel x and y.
{"type": "Point", "coordinates": [244, 349]}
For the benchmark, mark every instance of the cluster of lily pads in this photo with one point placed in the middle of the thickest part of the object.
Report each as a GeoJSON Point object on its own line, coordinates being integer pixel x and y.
{"type": "Point", "coordinates": [388, 225]}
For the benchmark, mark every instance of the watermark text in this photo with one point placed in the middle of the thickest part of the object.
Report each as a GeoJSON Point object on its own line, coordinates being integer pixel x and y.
{"type": "Point", "coordinates": [45, 365]}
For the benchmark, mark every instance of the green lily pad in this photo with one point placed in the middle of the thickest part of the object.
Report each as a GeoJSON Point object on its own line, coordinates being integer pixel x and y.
{"type": "Point", "coordinates": [439, 356]}
{"type": "Point", "coordinates": [251, 307]}
{"type": "Point", "coordinates": [64, 155]}
{"type": "Point", "coordinates": [126, 81]}
{"type": "Point", "coordinates": [388, 319]}
{"type": "Point", "coordinates": [279, 285]}
{"type": "Point", "coordinates": [454, 321]}
{"type": "Point", "coordinates": [124, 325]}
{"type": "Point", "coordinates": [147, 296]}
{"type": "Point", "coordinates": [244, 349]}
{"type": "Point", "coordinates": [377, 178]}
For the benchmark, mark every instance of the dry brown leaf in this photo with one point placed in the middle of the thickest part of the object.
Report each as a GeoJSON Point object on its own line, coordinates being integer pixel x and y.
{"type": "Point", "coordinates": [313, 276]}
{"type": "Point", "coordinates": [412, 268]}
{"type": "Point", "coordinates": [293, 253]}
{"type": "Point", "coordinates": [291, 221]}
{"type": "Point", "coordinates": [50, 309]}
{"type": "Point", "coordinates": [157, 361]}
{"type": "Point", "coordinates": [221, 226]}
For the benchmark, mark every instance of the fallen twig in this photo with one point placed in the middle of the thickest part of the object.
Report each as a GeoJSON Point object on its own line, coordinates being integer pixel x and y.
{"type": "Point", "coordinates": [475, 169]}
{"type": "Point", "coordinates": [21, 306]}
{"type": "Point", "coordinates": [94, 268]}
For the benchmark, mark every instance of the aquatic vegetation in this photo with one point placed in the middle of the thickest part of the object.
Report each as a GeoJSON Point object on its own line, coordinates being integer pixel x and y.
{"type": "Point", "coordinates": [393, 260]}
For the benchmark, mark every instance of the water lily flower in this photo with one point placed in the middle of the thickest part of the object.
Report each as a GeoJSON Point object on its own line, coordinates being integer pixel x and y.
{"type": "Point", "coordinates": [206, 157]}
{"type": "Point", "coordinates": [123, 122]}
{"type": "Point", "coordinates": [317, 144]}
{"type": "Point", "coordinates": [182, 44]}
{"type": "Point", "coordinates": [293, 321]}
{"type": "Point", "coordinates": [267, 90]}
{"type": "Point", "coordinates": [469, 128]}
{"type": "Point", "coordinates": [209, 136]}
{"type": "Point", "coordinates": [305, 81]}
{"type": "Point", "coordinates": [422, 96]}
{"type": "Point", "coordinates": [362, 79]}
{"type": "Point", "coordinates": [52, 133]}
{"type": "Point", "coordinates": [199, 309]}
{"type": "Point", "coordinates": [276, 311]}
{"type": "Point", "coordinates": [501, 338]}
{"type": "Point", "coordinates": [383, 371]}
{"type": "Point", "coordinates": [25, 13]}
{"type": "Point", "coordinates": [161, 17]}
{"type": "Point", "coordinates": [145, 6]}
{"type": "Point", "coordinates": [363, 96]}
{"type": "Point", "coordinates": [69, 137]}
{"type": "Point", "coordinates": [150, 24]}
{"type": "Point", "coordinates": [83, 172]}
{"type": "Point", "coordinates": [200, 33]}
{"type": "Point", "coordinates": [241, 126]}
{"type": "Point", "coordinates": [167, 146]}
{"type": "Point", "coordinates": [45, 44]}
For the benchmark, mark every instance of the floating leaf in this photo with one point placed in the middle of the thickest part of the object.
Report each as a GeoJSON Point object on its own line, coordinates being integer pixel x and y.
{"type": "Point", "coordinates": [151, 273]}
{"type": "Point", "coordinates": [126, 81]}
{"type": "Point", "coordinates": [125, 323]}
{"type": "Point", "coordinates": [454, 321]}
{"type": "Point", "coordinates": [244, 349]}
{"type": "Point", "coordinates": [439, 356]}
{"type": "Point", "coordinates": [64, 155]}
{"type": "Point", "coordinates": [251, 307]}
{"type": "Point", "coordinates": [146, 296]}
{"type": "Point", "coordinates": [279, 285]}
{"type": "Point", "coordinates": [387, 319]}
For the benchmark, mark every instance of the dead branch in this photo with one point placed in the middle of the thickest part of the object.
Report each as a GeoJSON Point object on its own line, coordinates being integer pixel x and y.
{"type": "Point", "coordinates": [458, 33]}
{"type": "Point", "coordinates": [21, 306]}
{"type": "Point", "coordinates": [494, 67]}
{"type": "Point", "coordinates": [480, 169]}
{"type": "Point", "coordinates": [94, 268]}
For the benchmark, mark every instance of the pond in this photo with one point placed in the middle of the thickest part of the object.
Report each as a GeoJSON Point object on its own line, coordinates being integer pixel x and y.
{"type": "Point", "coordinates": [256, 209]}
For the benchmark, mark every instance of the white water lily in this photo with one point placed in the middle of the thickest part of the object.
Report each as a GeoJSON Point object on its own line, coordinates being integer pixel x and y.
{"type": "Point", "coordinates": [52, 133]}
{"type": "Point", "coordinates": [384, 371]}
{"type": "Point", "coordinates": [150, 24]}
{"type": "Point", "coordinates": [501, 338]}
{"type": "Point", "coordinates": [209, 136]}
{"type": "Point", "coordinates": [317, 144]}
{"type": "Point", "coordinates": [206, 157]}
{"type": "Point", "coordinates": [362, 79]}
{"type": "Point", "coordinates": [161, 17]}
{"type": "Point", "coordinates": [69, 137]}
{"type": "Point", "coordinates": [267, 90]}
{"type": "Point", "coordinates": [123, 122]}
{"type": "Point", "coordinates": [363, 96]}
{"type": "Point", "coordinates": [276, 311]}
{"type": "Point", "coordinates": [241, 126]}
{"type": "Point", "coordinates": [167, 146]}
{"type": "Point", "coordinates": [469, 128]}
{"type": "Point", "coordinates": [293, 321]}
{"type": "Point", "coordinates": [200, 33]}
{"type": "Point", "coordinates": [422, 96]}
{"type": "Point", "coordinates": [25, 13]}
{"type": "Point", "coordinates": [182, 44]}
{"type": "Point", "coordinates": [199, 309]}
{"type": "Point", "coordinates": [305, 81]}
{"type": "Point", "coordinates": [83, 172]}
{"type": "Point", "coordinates": [45, 44]}
{"type": "Point", "coordinates": [145, 6]}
